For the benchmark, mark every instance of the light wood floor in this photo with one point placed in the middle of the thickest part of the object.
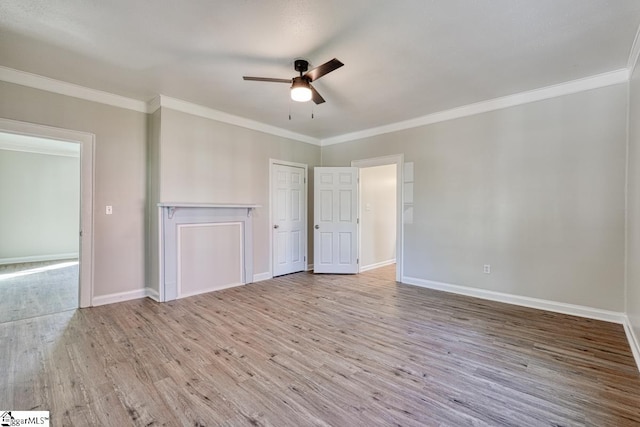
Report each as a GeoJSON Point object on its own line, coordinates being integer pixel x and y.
{"type": "Point", "coordinates": [38, 288]}
{"type": "Point", "coordinates": [320, 350]}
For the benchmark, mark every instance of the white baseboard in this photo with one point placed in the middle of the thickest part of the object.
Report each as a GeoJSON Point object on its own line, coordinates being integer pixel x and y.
{"type": "Point", "coordinates": [634, 343]}
{"type": "Point", "coordinates": [262, 276]}
{"type": "Point", "coordinates": [38, 258]}
{"type": "Point", "coordinates": [309, 267]}
{"type": "Point", "coordinates": [377, 265]}
{"type": "Point", "coordinates": [152, 293]}
{"type": "Point", "coordinates": [558, 307]}
{"type": "Point", "coordinates": [118, 297]}
{"type": "Point", "coordinates": [207, 290]}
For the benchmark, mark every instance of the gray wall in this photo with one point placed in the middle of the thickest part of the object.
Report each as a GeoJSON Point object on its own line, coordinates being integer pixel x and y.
{"type": "Point", "coordinates": [206, 161]}
{"type": "Point", "coordinates": [633, 209]}
{"type": "Point", "coordinates": [120, 176]}
{"type": "Point", "coordinates": [536, 190]}
{"type": "Point", "coordinates": [40, 196]}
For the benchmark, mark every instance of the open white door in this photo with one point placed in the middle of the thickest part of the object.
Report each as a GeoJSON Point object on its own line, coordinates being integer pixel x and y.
{"type": "Point", "coordinates": [335, 244]}
{"type": "Point", "coordinates": [289, 219]}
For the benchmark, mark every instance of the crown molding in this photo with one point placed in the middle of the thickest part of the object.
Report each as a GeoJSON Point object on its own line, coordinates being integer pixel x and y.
{"type": "Point", "coordinates": [69, 89]}
{"type": "Point", "coordinates": [154, 104]}
{"type": "Point", "coordinates": [574, 86]}
{"type": "Point", "coordinates": [35, 81]}
{"type": "Point", "coordinates": [210, 113]}
{"type": "Point", "coordinates": [634, 53]}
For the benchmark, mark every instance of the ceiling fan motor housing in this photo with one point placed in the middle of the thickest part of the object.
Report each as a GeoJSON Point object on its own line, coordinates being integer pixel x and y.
{"type": "Point", "coordinates": [301, 65]}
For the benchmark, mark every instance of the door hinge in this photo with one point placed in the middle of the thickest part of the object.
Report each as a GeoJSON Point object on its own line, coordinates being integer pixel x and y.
{"type": "Point", "coordinates": [357, 260]}
{"type": "Point", "coordinates": [304, 258]}
{"type": "Point", "coordinates": [357, 220]}
{"type": "Point", "coordinates": [305, 180]}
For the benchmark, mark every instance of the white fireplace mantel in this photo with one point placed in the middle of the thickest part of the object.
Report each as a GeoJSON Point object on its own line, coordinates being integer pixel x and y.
{"type": "Point", "coordinates": [177, 216]}
{"type": "Point", "coordinates": [172, 206]}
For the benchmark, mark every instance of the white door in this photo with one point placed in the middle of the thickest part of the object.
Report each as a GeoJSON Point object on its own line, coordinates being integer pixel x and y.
{"type": "Point", "coordinates": [335, 234]}
{"type": "Point", "coordinates": [288, 214]}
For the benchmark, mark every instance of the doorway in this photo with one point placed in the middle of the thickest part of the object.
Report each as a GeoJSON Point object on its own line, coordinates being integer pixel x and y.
{"type": "Point", "coordinates": [53, 262]}
{"type": "Point", "coordinates": [39, 223]}
{"type": "Point", "coordinates": [380, 205]}
{"type": "Point", "coordinates": [377, 217]}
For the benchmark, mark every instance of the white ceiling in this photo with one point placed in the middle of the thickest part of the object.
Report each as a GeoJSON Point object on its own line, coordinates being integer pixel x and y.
{"type": "Point", "coordinates": [403, 59]}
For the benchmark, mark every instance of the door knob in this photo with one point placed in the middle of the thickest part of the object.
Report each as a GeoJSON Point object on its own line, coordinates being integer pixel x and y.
{"type": "Point", "coordinates": [276, 226]}
{"type": "Point", "coordinates": [317, 227]}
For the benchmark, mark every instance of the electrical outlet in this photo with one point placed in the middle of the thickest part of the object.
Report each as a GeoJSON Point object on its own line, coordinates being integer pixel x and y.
{"type": "Point", "coordinates": [108, 210]}
{"type": "Point", "coordinates": [487, 269]}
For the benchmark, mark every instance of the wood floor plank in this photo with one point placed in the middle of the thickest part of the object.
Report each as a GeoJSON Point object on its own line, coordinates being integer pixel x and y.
{"type": "Point", "coordinates": [320, 350]}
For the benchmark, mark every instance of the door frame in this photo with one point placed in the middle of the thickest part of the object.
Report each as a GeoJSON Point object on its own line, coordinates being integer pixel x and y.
{"type": "Point", "coordinates": [398, 160]}
{"type": "Point", "coordinates": [87, 160]}
{"type": "Point", "coordinates": [272, 163]}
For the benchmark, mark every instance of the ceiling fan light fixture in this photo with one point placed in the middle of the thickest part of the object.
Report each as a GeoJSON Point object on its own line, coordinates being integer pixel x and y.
{"type": "Point", "coordinates": [300, 90]}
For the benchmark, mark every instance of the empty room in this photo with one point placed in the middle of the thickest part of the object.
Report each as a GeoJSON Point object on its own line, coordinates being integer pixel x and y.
{"type": "Point", "coordinates": [292, 213]}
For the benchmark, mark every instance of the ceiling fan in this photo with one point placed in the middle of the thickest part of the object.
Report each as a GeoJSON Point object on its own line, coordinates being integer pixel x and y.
{"type": "Point", "coordinates": [301, 89]}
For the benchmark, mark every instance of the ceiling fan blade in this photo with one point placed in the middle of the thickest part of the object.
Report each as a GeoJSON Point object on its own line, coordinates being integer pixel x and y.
{"type": "Point", "coordinates": [323, 69]}
{"type": "Point", "coordinates": [315, 96]}
{"type": "Point", "coordinates": [267, 79]}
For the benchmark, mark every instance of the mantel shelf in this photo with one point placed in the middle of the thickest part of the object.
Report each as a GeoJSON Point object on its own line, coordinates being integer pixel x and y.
{"type": "Point", "coordinates": [207, 205]}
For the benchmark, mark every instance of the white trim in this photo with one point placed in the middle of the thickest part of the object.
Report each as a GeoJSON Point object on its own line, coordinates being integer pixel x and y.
{"type": "Point", "coordinates": [262, 276]}
{"type": "Point", "coordinates": [87, 162]}
{"type": "Point", "coordinates": [207, 205]}
{"type": "Point", "coordinates": [152, 293]}
{"type": "Point", "coordinates": [634, 53]}
{"type": "Point", "coordinates": [634, 343]}
{"type": "Point", "coordinates": [574, 86]}
{"type": "Point", "coordinates": [154, 104]}
{"type": "Point", "coordinates": [540, 304]}
{"type": "Point", "coordinates": [241, 272]}
{"type": "Point", "coordinates": [305, 208]}
{"type": "Point", "coordinates": [210, 289]}
{"type": "Point", "coordinates": [210, 113]}
{"type": "Point", "coordinates": [29, 144]}
{"type": "Point", "coordinates": [38, 258]}
{"type": "Point", "coordinates": [376, 265]}
{"type": "Point", "coordinates": [69, 89]}
{"type": "Point", "coordinates": [398, 160]}
{"type": "Point", "coordinates": [161, 256]}
{"type": "Point", "coordinates": [377, 161]}
{"type": "Point", "coordinates": [118, 297]}
{"type": "Point", "coordinates": [309, 267]}
{"type": "Point", "coordinates": [172, 218]}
